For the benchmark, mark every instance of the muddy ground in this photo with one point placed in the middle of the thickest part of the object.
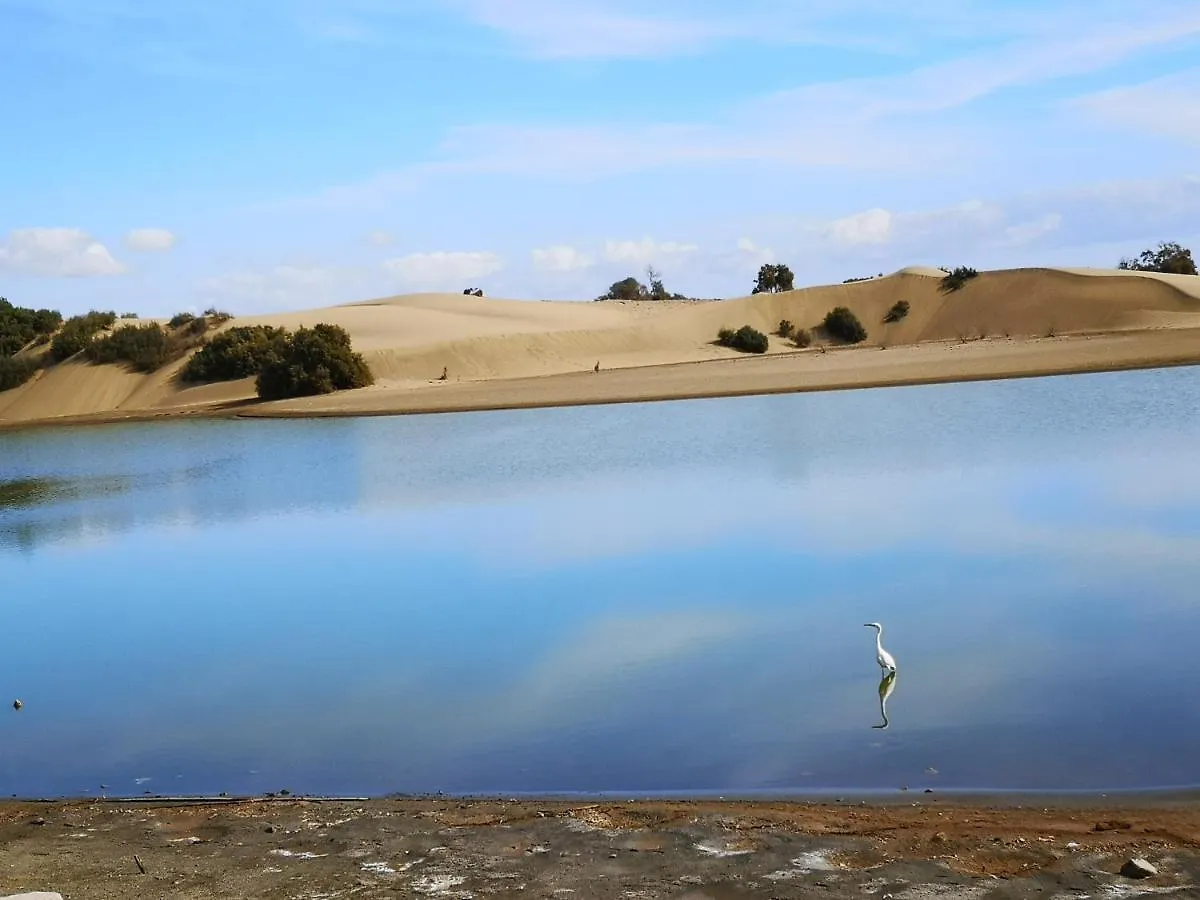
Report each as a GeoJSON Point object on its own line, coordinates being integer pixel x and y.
{"type": "Point", "coordinates": [913, 849]}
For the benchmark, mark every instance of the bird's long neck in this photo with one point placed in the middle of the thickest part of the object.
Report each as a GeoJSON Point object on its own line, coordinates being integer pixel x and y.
{"type": "Point", "coordinates": [878, 638]}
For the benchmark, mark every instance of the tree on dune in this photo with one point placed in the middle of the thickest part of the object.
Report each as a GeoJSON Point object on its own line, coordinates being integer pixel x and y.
{"type": "Point", "coordinates": [1168, 258]}
{"type": "Point", "coordinates": [774, 278]}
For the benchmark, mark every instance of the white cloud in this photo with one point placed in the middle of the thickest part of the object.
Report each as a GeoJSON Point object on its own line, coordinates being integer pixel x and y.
{"type": "Point", "coordinates": [380, 238]}
{"type": "Point", "coordinates": [871, 227]}
{"type": "Point", "coordinates": [148, 240]}
{"type": "Point", "coordinates": [441, 270]}
{"type": "Point", "coordinates": [1169, 107]}
{"type": "Point", "coordinates": [561, 258]}
{"type": "Point", "coordinates": [56, 253]}
{"type": "Point", "coordinates": [645, 251]}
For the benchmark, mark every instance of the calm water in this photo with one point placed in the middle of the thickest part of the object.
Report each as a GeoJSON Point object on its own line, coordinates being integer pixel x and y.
{"type": "Point", "coordinates": [656, 598]}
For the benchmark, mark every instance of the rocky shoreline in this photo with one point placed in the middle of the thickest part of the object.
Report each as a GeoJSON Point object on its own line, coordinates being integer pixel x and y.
{"type": "Point", "coordinates": [909, 849]}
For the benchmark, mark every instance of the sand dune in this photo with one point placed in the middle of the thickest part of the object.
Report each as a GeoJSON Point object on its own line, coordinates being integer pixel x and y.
{"type": "Point", "coordinates": [499, 347]}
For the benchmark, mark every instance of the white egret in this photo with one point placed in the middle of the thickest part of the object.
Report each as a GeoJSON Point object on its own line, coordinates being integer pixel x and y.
{"type": "Point", "coordinates": [886, 661]}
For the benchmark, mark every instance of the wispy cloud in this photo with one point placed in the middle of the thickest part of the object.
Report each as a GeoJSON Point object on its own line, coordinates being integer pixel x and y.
{"type": "Point", "coordinates": [898, 124]}
{"type": "Point", "coordinates": [150, 240]}
{"type": "Point", "coordinates": [560, 258]}
{"type": "Point", "coordinates": [1167, 106]}
{"type": "Point", "coordinates": [287, 287]}
{"type": "Point", "coordinates": [444, 270]}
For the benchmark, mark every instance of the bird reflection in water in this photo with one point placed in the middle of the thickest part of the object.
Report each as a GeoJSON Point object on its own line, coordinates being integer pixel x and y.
{"type": "Point", "coordinates": [887, 684]}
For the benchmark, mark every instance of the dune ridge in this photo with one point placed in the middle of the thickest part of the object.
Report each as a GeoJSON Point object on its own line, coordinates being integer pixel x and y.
{"type": "Point", "coordinates": [500, 352]}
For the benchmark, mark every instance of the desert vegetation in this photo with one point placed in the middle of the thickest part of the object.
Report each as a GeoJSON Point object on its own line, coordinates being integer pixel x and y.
{"type": "Point", "coordinates": [745, 339]}
{"type": "Point", "coordinates": [20, 327]}
{"type": "Point", "coordinates": [1169, 258]}
{"type": "Point", "coordinates": [239, 352]}
{"type": "Point", "coordinates": [144, 347]}
{"type": "Point", "coordinates": [632, 289]}
{"type": "Point", "coordinates": [317, 360]}
{"type": "Point", "coordinates": [956, 279]}
{"type": "Point", "coordinates": [897, 312]}
{"type": "Point", "coordinates": [774, 278]}
{"type": "Point", "coordinates": [79, 331]}
{"type": "Point", "coordinates": [843, 325]}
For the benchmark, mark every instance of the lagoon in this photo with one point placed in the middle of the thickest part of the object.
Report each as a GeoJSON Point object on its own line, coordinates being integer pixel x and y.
{"type": "Point", "coordinates": [635, 599]}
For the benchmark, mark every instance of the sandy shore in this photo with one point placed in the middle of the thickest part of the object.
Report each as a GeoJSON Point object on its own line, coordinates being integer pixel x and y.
{"type": "Point", "coordinates": [795, 372]}
{"type": "Point", "coordinates": [835, 370]}
{"type": "Point", "coordinates": [502, 354]}
{"type": "Point", "coordinates": [913, 849]}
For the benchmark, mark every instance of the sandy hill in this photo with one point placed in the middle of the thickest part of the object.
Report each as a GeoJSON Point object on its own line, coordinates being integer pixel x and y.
{"type": "Point", "coordinates": [408, 340]}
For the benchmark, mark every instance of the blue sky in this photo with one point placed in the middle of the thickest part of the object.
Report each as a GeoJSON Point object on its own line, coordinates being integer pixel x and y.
{"type": "Point", "coordinates": [278, 154]}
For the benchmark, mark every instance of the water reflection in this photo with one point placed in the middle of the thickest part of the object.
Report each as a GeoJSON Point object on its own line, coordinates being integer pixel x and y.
{"type": "Point", "coordinates": [887, 684]}
{"type": "Point", "coordinates": [619, 598]}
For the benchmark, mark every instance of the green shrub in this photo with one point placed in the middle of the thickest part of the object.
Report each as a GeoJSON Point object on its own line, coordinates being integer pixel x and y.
{"type": "Point", "coordinates": [785, 328]}
{"type": "Point", "coordinates": [145, 347]}
{"type": "Point", "coordinates": [129, 315]}
{"type": "Point", "coordinates": [77, 332]}
{"type": "Point", "coordinates": [20, 326]}
{"type": "Point", "coordinates": [801, 338]}
{"type": "Point", "coordinates": [955, 280]}
{"type": "Point", "coordinates": [15, 371]}
{"type": "Point", "coordinates": [746, 339]}
{"type": "Point", "coordinates": [196, 327]}
{"type": "Point", "coordinates": [180, 319]}
{"type": "Point", "coordinates": [237, 353]}
{"type": "Point", "coordinates": [843, 325]}
{"type": "Point", "coordinates": [216, 317]}
{"type": "Point", "coordinates": [1168, 258]}
{"type": "Point", "coordinates": [898, 311]}
{"type": "Point", "coordinates": [317, 360]}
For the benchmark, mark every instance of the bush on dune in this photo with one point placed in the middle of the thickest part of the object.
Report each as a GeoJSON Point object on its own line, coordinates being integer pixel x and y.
{"type": "Point", "coordinates": [77, 332]}
{"type": "Point", "coordinates": [20, 326]}
{"type": "Point", "coordinates": [239, 352]}
{"type": "Point", "coordinates": [745, 339]}
{"type": "Point", "coordinates": [898, 311]}
{"type": "Point", "coordinates": [145, 347]}
{"type": "Point", "coordinates": [957, 278]}
{"type": "Point", "coordinates": [843, 325]}
{"type": "Point", "coordinates": [15, 371]}
{"type": "Point", "coordinates": [317, 360]}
